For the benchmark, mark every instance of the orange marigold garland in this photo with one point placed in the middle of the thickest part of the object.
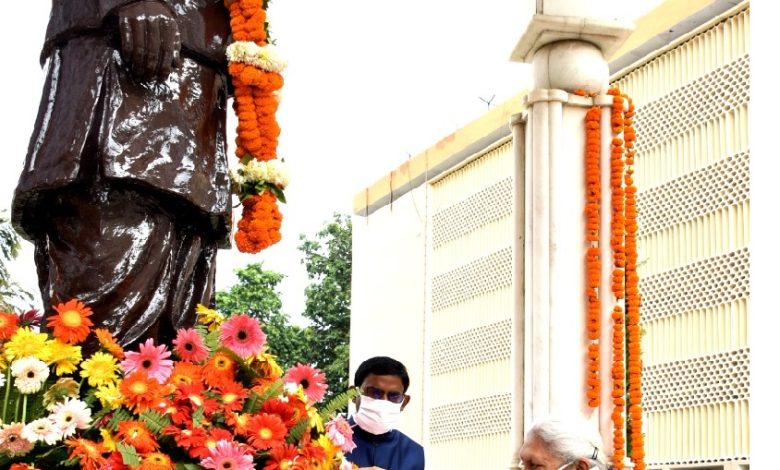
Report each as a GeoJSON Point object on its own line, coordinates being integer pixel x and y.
{"type": "Point", "coordinates": [617, 238]}
{"type": "Point", "coordinates": [593, 257]}
{"type": "Point", "coordinates": [632, 299]}
{"type": "Point", "coordinates": [259, 179]}
{"type": "Point", "coordinates": [625, 285]}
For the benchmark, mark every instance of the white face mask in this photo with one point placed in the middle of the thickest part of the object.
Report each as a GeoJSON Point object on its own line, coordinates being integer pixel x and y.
{"type": "Point", "coordinates": [377, 416]}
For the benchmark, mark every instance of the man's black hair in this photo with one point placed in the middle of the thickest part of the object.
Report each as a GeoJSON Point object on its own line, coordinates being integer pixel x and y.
{"type": "Point", "coordinates": [381, 365]}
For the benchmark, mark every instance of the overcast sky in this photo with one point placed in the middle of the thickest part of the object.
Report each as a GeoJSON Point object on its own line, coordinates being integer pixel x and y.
{"type": "Point", "coordinates": [368, 84]}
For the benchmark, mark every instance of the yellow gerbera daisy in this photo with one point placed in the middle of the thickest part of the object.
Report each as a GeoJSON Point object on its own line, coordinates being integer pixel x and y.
{"type": "Point", "coordinates": [109, 395]}
{"type": "Point", "coordinates": [64, 356]}
{"type": "Point", "coordinates": [100, 369]}
{"type": "Point", "coordinates": [108, 440]}
{"type": "Point", "coordinates": [25, 343]}
{"type": "Point", "coordinates": [209, 317]}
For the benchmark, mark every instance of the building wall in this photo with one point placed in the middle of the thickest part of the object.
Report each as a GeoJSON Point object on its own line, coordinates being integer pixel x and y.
{"type": "Point", "coordinates": [472, 226]}
{"type": "Point", "coordinates": [388, 294]}
{"type": "Point", "coordinates": [692, 173]}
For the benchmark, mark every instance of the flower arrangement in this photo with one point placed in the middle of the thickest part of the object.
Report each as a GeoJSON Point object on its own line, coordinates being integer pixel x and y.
{"type": "Point", "coordinates": [255, 68]}
{"type": "Point", "coordinates": [217, 400]}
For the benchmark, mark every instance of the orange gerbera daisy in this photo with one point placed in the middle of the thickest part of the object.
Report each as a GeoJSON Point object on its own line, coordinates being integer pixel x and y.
{"type": "Point", "coordinates": [137, 435]}
{"type": "Point", "coordinates": [156, 461]}
{"type": "Point", "coordinates": [266, 431]}
{"type": "Point", "coordinates": [231, 395]}
{"type": "Point", "coordinates": [238, 422]}
{"type": "Point", "coordinates": [185, 373]}
{"type": "Point", "coordinates": [9, 322]}
{"type": "Point", "coordinates": [109, 343]}
{"type": "Point", "coordinates": [219, 369]}
{"type": "Point", "coordinates": [89, 453]}
{"type": "Point", "coordinates": [139, 391]}
{"type": "Point", "coordinates": [71, 323]}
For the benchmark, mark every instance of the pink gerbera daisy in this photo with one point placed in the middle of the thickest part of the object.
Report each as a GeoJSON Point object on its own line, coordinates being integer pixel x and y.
{"type": "Point", "coordinates": [189, 345]}
{"type": "Point", "coordinates": [310, 379]}
{"type": "Point", "coordinates": [228, 456]}
{"type": "Point", "coordinates": [150, 358]}
{"type": "Point", "coordinates": [243, 335]}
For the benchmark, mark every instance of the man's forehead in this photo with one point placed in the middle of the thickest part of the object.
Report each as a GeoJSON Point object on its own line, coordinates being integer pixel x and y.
{"type": "Point", "coordinates": [383, 381]}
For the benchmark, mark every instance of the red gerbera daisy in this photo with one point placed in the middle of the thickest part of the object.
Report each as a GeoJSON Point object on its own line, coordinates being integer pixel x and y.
{"type": "Point", "coordinates": [282, 457]}
{"type": "Point", "coordinates": [185, 373]}
{"type": "Point", "coordinates": [289, 411]}
{"type": "Point", "coordinates": [266, 431]}
{"type": "Point", "coordinates": [9, 322]}
{"type": "Point", "coordinates": [238, 422]}
{"type": "Point", "coordinates": [231, 394]}
{"type": "Point", "coordinates": [242, 334]}
{"type": "Point", "coordinates": [310, 379]}
{"type": "Point", "coordinates": [210, 443]}
{"type": "Point", "coordinates": [90, 453]}
{"type": "Point", "coordinates": [71, 323]}
{"type": "Point", "coordinates": [186, 438]}
{"type": "Point", "coordinates": [137, 435]}
{"type": "Point", "coordinates": [189, 345]}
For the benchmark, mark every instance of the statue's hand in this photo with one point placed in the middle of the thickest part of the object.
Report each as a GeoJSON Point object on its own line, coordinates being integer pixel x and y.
{"type": "Point", "coordinates": [150, 39]}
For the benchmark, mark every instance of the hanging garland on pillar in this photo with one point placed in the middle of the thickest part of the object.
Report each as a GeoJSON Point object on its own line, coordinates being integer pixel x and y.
{"type": "Point", "coordinates": [624, 286]}
{"type": "Point", "coordinates": [593, 255]}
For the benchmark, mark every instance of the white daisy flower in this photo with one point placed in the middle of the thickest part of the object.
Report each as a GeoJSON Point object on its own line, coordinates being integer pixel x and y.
{"type": "Point", "coordinates": [42, 429]}
{"type": "Point", "coordinates": [70, 415]}
{"type": "Point", "coordinates": [30, 374]}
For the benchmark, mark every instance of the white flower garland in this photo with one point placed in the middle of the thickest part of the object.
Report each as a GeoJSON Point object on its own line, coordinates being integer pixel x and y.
{"type": "Point", "coordinates": [254, 171]}
{"type": "Point", "coordinates": [263, 57]}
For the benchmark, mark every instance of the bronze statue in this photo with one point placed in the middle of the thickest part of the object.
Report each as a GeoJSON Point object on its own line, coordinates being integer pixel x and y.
{"type": "Point", "coordinates": [125, 189]}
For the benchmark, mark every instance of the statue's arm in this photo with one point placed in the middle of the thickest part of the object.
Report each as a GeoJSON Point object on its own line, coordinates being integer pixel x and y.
{"type": "Point", "coordinates": [149, 36]}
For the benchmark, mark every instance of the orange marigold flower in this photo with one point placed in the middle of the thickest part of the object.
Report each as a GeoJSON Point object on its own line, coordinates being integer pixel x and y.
{"type": "Point", "coordinates": [136, 434]}
{"type": "Point", "coordinates": [89, 453]}
{"type": "Point", "coordinates": [218, 369]}
{"type": "Point", "coordinates": [109, 343]}
{"type": "Point", "coordinates": [9, 322]}
{"type": "Point", "coordinates": [139, 391]}
{"type": "Point", "coordinates": [266, 431]}
{"type": "Point", "coordinates": [71, 323]}
{"type": "Point", "coordinates": [156, 461]}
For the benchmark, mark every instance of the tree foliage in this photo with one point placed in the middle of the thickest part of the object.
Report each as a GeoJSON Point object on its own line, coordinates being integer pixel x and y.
{"type": "Point", "coordinates": [12, 296]}
{"type": "Point", "coordinates": [257, 294]}
{"type": "Point", "coordinates": [328, 261]}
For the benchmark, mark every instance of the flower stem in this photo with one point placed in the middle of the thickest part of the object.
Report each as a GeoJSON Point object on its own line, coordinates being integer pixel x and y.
{"type": "Point", "coordinates": [24, 409]}
{"type": "Point", "coordinates": [8, 379]}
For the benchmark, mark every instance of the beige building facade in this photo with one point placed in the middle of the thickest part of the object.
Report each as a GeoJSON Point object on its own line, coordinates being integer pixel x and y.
{"type": "Point", "coordinates": [444, 248]}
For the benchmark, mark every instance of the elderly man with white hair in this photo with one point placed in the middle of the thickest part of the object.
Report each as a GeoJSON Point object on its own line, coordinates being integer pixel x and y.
{"type": "Point", "coordinates": [562, 444]}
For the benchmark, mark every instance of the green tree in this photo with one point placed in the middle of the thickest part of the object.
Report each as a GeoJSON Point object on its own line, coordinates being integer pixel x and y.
{"type": "Point", "coordinates": [328, 261]}
{"type": "Point", "coordinates": [12, 296]}
{"type": "Point", "coordinates": [257, 294]}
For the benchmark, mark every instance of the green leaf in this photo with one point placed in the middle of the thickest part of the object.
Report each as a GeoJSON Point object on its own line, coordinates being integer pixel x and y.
{"type": "Point", "coordinates": [296, 432]}
{"type": "Point", "coordinates": [246, 158]}
{"type": "Point", "coordinates": [197, 416]}
{"type": "Point", "coordinates": [119, 415]}
{"type": "Point", "coordinates": [187, 466]}
{"type": "Point", "coordinates": [129, 455]}
{"type": "Point", "coordinates": [339, 402]}
{"type": "Point", "coordinates": [272, 390]}
{"type": "Point", "coordinates": [155, 420]}
{"type": "Point", "coordinates": [278, 193]}
{"type": "Point", "coordinates": [212, 340]}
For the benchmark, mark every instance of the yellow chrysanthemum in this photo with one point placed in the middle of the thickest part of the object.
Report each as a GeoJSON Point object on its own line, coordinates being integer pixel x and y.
{"type": "Point", "coordinates": [25, 343]}
{"type": "Point", "coordinates": [109, 395]}
{"type": "Point", "coordinates": [65, 357]}
{"type": "Point", "coordinates": [100, 369]}
{"type": "Point", "coordinates": [209, 317]}
{"type": "Point", "coordinates": [330, 450]}
{"type": "Point", "coordinates": [108, 440]}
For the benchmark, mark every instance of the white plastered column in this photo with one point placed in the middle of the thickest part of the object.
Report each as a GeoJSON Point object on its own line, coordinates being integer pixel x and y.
{"type": "Point", "coordinates": [567, 55]}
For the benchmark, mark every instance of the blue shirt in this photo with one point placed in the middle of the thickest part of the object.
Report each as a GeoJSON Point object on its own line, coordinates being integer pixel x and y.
{"type": "Point", "coordinates": [393, 450]}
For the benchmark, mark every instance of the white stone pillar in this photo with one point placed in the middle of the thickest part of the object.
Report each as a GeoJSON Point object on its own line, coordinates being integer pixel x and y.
{"type": "Point", "coordinates": [567, 53]}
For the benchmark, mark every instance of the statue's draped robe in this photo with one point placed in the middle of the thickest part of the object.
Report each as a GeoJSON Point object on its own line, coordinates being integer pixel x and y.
{"type": "Point", "coordinates": [125, 190]}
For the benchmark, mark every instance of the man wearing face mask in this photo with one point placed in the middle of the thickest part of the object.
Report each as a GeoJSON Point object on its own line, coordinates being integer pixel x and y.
{"type": "Point", "coordinates": [382, 382]}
